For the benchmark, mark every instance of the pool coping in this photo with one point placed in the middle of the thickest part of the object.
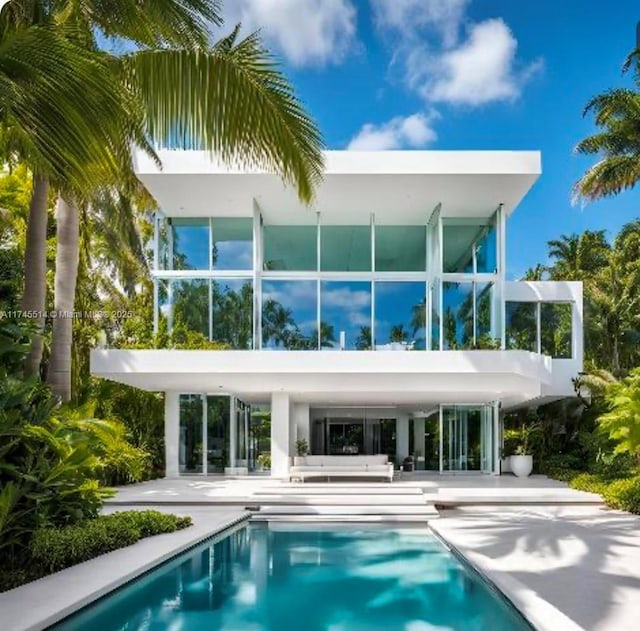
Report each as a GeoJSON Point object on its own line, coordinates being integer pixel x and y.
{"type": "Point", "coordinates": [537, 611]}
{"type": "Point", "coordinates": [42, 603]}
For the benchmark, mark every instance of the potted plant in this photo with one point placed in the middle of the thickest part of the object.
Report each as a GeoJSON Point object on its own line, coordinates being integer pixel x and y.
{"type": "Point", "coordinates": [521, 462]}
{"type": "Point", "coordinates": [302, 449]}
{"type": "Point", "coordinates": [264, 462]}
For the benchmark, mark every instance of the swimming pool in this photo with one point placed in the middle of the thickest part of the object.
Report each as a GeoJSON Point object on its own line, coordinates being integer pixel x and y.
{"type": "Point", "coordinates": [285, 577]}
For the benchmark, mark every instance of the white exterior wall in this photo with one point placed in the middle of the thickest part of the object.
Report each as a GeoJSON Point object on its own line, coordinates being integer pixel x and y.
{"type": "Point", "coordinates": [302, 422]}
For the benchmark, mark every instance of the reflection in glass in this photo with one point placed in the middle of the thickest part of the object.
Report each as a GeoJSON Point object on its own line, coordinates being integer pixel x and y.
{"type": "Point", "coordinates": [346, 314]}
{"type": "Point", "coordinates": [189, 306]}
{"type": "Point", "coordinates": [232, 243]}
{"type": "Point", "coordinates": [457, 316]}
{"type": "Point", "coordinates": [190, 243]}
{"type": "Point", "coordinates": [484, 315]}
{"type": "Point", "coordinates": [462, 438]}
{"type": "Point", "coordinates": [555, 329]}
{"type": "Point", "coordinates": [435, 315]}
{"type": "Point", "coordinates": [289, 314]}
{"type": "Point", "coordinates": [400, 248]}
{"type": "Point", "coordinates": [400, 310]}
{"type": "Point", "coordinates": [232, 301]}
{"type": "Point", "coordinates": [290, 248]}
{"type": "Point", "coordinates": [190, 450]}
{"type": "Point", "coordinates": [487, 251]}
{"type": "Point", "coordinates": [460, 238]}
{"type": "Point", "coordinates": [217, 434]}
{"type": "Point", "coordinates": [345, 249]}
{"type": "Point", "coordinates": [521, 326]}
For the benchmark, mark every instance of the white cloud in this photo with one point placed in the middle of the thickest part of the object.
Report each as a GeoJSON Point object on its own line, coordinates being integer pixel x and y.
{"type": "Point", "coordinates": [445, 63]}
{"type": "Point", "coordinates": [413, 131]}
{"type": "Point", "coordinates": [306, 32]}
{"type": "Point", "coordinates": [440, 16]}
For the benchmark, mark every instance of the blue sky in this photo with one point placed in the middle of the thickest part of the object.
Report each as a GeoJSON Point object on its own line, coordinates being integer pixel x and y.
{"type": "Point", "coordinates": [462, 74]}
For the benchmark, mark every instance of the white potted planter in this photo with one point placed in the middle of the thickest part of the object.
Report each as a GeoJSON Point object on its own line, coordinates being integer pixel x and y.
{"type": "Point", "coordinates": [298, 461]}
{"type": "Point", "coordinates": [521, 466]}
{"type": "Point", "coordinates": [302, 449]}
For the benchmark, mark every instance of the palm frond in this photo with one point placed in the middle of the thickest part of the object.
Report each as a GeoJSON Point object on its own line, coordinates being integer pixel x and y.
{"type": "Point", "coordinates": [608, 177]}
{"type": "Point", "coordinates": [233, 101]}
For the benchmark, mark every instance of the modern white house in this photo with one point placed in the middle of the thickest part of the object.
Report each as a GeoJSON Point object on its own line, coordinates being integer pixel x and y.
{"type": "Point", "coordinates": [378, 320]}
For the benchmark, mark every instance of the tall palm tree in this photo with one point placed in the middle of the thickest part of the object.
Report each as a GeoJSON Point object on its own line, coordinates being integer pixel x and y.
{"type": "Point", "coordinates": [617, 114]}
{"type": "Point", "coordinates": [578, 256]}
{"type": "Point", "coordinates": [46, 125]}
{"type": "Point", "coordinates": [230, 99]}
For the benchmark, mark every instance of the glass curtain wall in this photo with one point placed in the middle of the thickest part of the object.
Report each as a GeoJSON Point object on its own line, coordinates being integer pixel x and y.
{"type": "Point", "coordinates": [468, 438]}
{"type": "Point", "coordinates": [207, 435]}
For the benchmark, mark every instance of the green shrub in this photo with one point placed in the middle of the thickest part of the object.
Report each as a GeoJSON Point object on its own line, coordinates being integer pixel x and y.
{"type": "Point", "coordinates": [624, 495]}
{"type": "Point", "coordinates": [57, 548]}
{"type": "Point", "coordinates": [562, 462]}
{"type": "Point", "coordinates": [588, 482]}
{"type": "Point", "coordinates": [615, 466]}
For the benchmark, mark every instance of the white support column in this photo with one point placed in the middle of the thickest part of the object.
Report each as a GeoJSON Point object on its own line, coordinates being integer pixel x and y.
{"type": "Point", "coordinates": [172, 434]}
{"type": "Point", "coordinates": [402, 437]}
{"type": "Point", "coordinates": [281, 434]}
{"type": "Point", "coordinates": [233, 433]}
{"type": "Point", "coordinates": [301, 417]}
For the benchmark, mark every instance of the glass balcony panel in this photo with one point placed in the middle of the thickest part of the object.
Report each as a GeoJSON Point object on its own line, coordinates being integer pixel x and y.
{"type": "Point", "coordinates": [188, 306]}
{"type": "Point", "coordinates": [555, 329]}
{"type": "Point", "coordinates": [460, 237]}
{"type": "Point", "coordinates": [345, 249]}
{"type": "Point", "coordinates": [401, 248]}
{"type": "Point", "coordinates": [345, 321]}
{"type": "Point", "coordinates": [289, 314]}
{"type": "Point", "coordinates": [232, 243]}
{"type": "Point", "coordinates": [457, 316]}
{"type": "Point", "coordinates": [232, 302]}
{"type": "Point", "coordinates": [290, 248]}
{"type": "Point", "coordinates": [190, 243]}
{"type": "Point", "coordinates": [400, 311]}
{"type": "Point", "coordinates": [484, 316]}
{"type": "Point", "coordinates": [521, 326]}
{"type": "Point", "coordinates": [487, 251]}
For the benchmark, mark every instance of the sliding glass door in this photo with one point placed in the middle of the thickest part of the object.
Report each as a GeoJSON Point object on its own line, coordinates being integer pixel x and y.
{"type": "Point", "coordinates": [467, 438]}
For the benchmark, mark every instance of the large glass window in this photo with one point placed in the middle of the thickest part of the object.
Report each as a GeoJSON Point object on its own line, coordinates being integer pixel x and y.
{"type": "Point", "coordinates": [400, 311]}
{"type": "Point", "coordinates": [435, 316]}
{"type": "Point", "coordinates": [232, 243]}
{"type": "Point", "coordinates": [521, 325]}
{"type": "Point", "coordinates": [232, 302]}
{"type": "Point", "coordinates": [218, 408]}
{"type": "Point", "coordinates": [401, 248]}
{"type": "Point", "coordinates": [291, 248]}
{"type": "Point", "coordinates": [457, 315]}
{"type": "Point", "coordinates": [468, 316]}
{"type": "Point", "coordinates": [289, 314]}
{"type": "Point", "coordinates": [191, 444]}
{"type": "Point", "coordinates": [190, 238]}
{"type": "Point", "coordinates": [188, 305]}
{"type": "Point", "coordinates": [345, 321]}
{"type": "Point", "coordinates": [345, 249]}
{"type": "Point", "coordinates": [462, 238]}
{"type": "Point", "coordinates": [555, 329]}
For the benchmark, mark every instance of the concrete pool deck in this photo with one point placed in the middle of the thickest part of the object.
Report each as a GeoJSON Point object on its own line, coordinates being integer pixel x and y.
{"type": "Point", "coordinates": [44, 602]}
{"type": "Point", "coordinates": [580, 562]}
{"type": "Point", "coordinates": [438, 489]}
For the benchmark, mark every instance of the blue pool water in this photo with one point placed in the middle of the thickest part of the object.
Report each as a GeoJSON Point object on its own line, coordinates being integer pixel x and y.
{"type": "Point", "coordinates": [282, 578]}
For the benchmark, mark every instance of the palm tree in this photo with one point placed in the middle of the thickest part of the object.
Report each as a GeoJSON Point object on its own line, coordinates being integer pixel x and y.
{"type": "Point", "coordinates": [578, 256]}
{"type": "Point", "coordinates": [277, 322]}
{"type": "Point", "coordinates": [617, 114]}
{"type": "Point", "coordinates": [363, 341]}
{"type": "Point", "coordinates": [230, 99]}
{"type": "Point", "coordinates": [46, 125]}
{"type": "Point", "coordinates": [398, 333]}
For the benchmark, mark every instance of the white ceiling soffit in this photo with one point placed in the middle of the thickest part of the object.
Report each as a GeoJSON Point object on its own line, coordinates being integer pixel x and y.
{"type": "Point", "coordinates": [400, 187]}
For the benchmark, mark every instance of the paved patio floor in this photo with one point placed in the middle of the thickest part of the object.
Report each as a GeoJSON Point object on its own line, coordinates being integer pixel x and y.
{"type": "Point", "coordinates": [584, 561]}
{"type": "Point", "coordinates": [439, 489]}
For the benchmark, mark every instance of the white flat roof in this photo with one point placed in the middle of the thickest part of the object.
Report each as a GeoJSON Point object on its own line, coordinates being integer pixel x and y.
{"type": "Point", "coordinates": [398, 186]}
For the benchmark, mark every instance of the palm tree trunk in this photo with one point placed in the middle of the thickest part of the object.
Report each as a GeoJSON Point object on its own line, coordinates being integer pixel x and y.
{"type": "Point", "coordinates": [67, 254]}
{"type": "Point", "coordinates": [34, 295]}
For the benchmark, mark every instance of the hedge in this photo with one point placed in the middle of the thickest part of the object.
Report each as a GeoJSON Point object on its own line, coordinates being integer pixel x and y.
{"type": "Point", "coordinates": [54, 549]}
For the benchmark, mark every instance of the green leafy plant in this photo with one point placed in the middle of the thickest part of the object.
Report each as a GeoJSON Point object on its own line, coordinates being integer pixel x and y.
{"type": "Point", "coordinates": [622, 422]}
{"type": "Point", "coordinates": [302, 447]}
{"type": "Point", "coordinates": [526, 434]}
{"type": "Point", "coordinates": [264, 461]}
